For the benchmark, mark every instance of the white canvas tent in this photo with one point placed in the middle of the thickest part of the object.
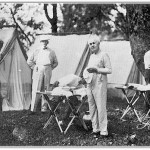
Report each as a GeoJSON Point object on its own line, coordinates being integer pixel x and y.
{"type": "Point", "coordinates": [15, 75]}
{"type": "Point", "coordinates": [124, 69]}
{"type": "Point", "coordinates": [68, 49]}
{"type": "Point", "coordinates": [73, 54]}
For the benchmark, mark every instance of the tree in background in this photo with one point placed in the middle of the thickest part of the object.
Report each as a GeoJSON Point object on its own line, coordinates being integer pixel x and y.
{"type": "Point", "coordinates": [35, 18]}
{"type": "Point", "coordinates": [29, 17]}
{"type": "Point", "coordinates": [83, 17]}
{"type": "Point", "coordinates": [53, 21]}
{"type": "Point", "coordinates": [107, 18]}
{"type": "Point", "coordinates": [121, 21]}
{"type": "Point", "coordinates": [139, 30]}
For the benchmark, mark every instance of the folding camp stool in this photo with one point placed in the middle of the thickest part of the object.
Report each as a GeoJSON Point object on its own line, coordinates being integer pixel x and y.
{"type": "Point", "coordinates": [146, 116]}
{"type": "Point", "coordinates": [131, 102]}
{"type": "Point", "coordinates": [74, 111]}
{"type": "Point", "coordinates": [52, 110]}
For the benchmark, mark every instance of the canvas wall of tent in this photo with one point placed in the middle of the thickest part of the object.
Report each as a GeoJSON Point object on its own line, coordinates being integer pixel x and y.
{"type": "Point", "coordinates": [15, 75]}
{"type": "Point", "coordinates": [73, 54]}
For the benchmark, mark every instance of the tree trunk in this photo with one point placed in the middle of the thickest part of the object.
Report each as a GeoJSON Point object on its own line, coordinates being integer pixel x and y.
{"type": "Point", "coordinates": [53, 21]}
{"type": "Point", "coordinates": [54, 29]}
{"type": "Point", "coordinates": [138, 49]}
{"type": "Point", "coordinates": [1, 99]}
{"type": "Point", "coordinates": [139, 24]}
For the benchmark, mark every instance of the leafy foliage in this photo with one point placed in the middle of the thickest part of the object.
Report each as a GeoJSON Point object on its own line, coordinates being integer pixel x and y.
{"type": "Point", "coordinates": [139, 29]}
{"type": "Point", "coordinates": [83, 17]}
{"type": "Point", "coordinates": [41, 17]}
{"type": "Point", "coordinates": [139, 17]}
{"type": "Point", "coordinates": [139, 24]}
{"type": "Point", "coordinates": [24, 15]}
{"type": "Point", "coordinates": [109, 19]}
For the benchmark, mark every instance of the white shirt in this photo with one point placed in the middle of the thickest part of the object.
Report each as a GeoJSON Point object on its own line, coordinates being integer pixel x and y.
{"type": "Point", "coordinates": [43, 57]}
{"type": "Point", "coordinates": [94, 61]}
{"type": "Point", "coordinates": [147, 59]}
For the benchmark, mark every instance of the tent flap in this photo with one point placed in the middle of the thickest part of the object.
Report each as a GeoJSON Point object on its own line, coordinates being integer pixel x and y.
{"type": "Point", "coordinates": [15, 75]}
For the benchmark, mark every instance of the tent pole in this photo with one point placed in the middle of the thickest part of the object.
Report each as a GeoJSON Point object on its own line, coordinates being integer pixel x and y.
{"type": "Point", "coordinates": [1, 100]}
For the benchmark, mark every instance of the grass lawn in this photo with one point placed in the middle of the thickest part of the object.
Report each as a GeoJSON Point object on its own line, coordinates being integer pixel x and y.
{"type": "Point", "coordinates": [18, 129]}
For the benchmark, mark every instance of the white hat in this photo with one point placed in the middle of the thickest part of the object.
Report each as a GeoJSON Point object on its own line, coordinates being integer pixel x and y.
{"type": "Point", "coordinates": [44, 38]}
{"type": "Point", "coordinates": [93, 38]}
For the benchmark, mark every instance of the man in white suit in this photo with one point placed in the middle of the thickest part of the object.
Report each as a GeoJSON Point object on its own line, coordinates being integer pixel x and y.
{"type": "Point", "coordinates": [147, 77]}
{"type": "Point", "coordinates": [42, 62]}
{"type": "Point", "coordinates": [95, 75]}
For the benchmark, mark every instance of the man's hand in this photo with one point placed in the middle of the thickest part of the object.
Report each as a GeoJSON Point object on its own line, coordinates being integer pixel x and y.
{"type": "Point", "coordinates": [92, 70]}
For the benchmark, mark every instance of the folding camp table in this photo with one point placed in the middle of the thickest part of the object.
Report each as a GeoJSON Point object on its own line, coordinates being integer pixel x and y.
{"type": "Point", "coordinates": [138, 92]}
{"type": "Point", "coordinates": [61, 97]}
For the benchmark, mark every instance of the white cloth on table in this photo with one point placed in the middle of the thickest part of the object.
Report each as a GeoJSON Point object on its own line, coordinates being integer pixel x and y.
{"type": "Point", "coordinates": [135, 85]}
{"type": "Point", "coordinates": [81, 91]}
{"type": "Point", "coordinates": [67, 83]}
{"type": "Point", "coordinates": [70, 80]}
{"type": "Point", "coordinates": [59, 91]}
{"type": "Point", "coordinates": [139, 87]}
{"type": "Point", "coordinates": [144, 87]}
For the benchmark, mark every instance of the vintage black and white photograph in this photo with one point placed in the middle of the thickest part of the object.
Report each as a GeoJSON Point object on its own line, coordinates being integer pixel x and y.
{"type": "Point", "coordinates": [74, 74]}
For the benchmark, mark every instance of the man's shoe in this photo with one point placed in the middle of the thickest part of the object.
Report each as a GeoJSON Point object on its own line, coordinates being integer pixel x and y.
{"type": "Point", "coordinates": [95, 134]}
{"type": "Point", "coordinates": [104, 134]}
{"type": "Point", "coordinates": [44, 109]}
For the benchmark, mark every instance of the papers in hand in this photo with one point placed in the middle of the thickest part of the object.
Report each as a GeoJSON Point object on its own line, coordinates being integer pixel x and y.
{"type": "Point", "coordinates": [87, 76]}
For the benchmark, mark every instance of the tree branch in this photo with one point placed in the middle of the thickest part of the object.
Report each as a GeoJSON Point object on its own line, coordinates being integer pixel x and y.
{"type": "Point", "coordinates": [17, 25]}
{"type": "Point", "coordinates": [7, 26]}
{"type": "Point", "coordinates": [46, 13]}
